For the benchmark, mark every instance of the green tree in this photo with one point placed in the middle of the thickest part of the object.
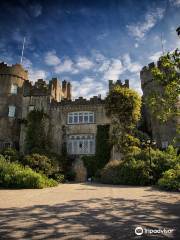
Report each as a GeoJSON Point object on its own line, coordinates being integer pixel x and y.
{"type": "Point", "coordinates": [123, 105]}
{"type": "Point", "coordinates": [162, 101]}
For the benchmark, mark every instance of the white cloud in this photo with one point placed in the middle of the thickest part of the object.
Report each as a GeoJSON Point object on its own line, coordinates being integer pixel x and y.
{"type": "Point", "coordinates": [88, 87]}
{"type": "Point", "coordinates": [115, 68]}
{"type": "Point", "coordinates": [140, 29]}
{"type": "Point", "coordinates": [84, 63]}
{"type": "Point", "coordinates": [175, 3]}
{"type": "Point", "coordinates": [155, 56]}
{"type": "Point", "coordinates": [33, 73]}
{"type": "Point", "coordinates": [136, 45]}
{"type": "Point", "coordinates": [66, 66]}
{"type": "Point", "coordinates": [133, 67]}
{"type": "Point", "coordinates": [51, 59]}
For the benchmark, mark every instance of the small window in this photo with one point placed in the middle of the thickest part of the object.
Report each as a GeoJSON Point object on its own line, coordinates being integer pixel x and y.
{"type": "Point", "coordinates": [80, 117]}
{"type": "Point", "coordinates": [12, 110]}
{"type": "Point", "coordinates": [14, 88]}
{"type": "Point", "coordinates": [31, 108]}
{"type": "Point", "coordinates": [164, 144]}
{"type": "Point", "coordinates": [91, 117]}
{"type": "Point", "coordinates": [75, 118]}
{"type": "Point", "coordinates": [86, 117]}
{"type": "Point", "coordinates": [70, 118]}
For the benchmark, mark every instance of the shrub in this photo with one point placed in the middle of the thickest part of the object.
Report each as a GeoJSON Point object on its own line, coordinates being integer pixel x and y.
{"type": "Point", "coordinates": [16, 176]}
{"type": "Point", "coordinates": [170, 179]}
{"type": "Point", "coordinates": [91, 165]}
{"type": "Point", "coordinates": [11, 154]}
{"type": "Point", "coordinates": [130, 172]}
{"type": "Point", "coordinates": [161, 161]}
{"type": "Point", "coordinates": [70, 175]}
{"type": "Point", "coordinates": [59, 177]}
{"type": "Point", "coordinates": [41, 164]}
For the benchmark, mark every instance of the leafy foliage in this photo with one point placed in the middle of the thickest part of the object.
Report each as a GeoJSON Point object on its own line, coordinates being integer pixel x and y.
{"type": "Point", "coordinates": [135, 168]}
{"type": "Point", "coordinates": [103, 147]}
{"type": "Point", "coordinates": [16, 176]}
{"type": "Point", "coordinates": [11, 154]}
{"type": "Point", "coordinates": [103, 151]}
{"type": "Point", "coordinates": [41, 164]}
{"type": "Point", "coordinates": [130, 172]}
{"type": "Point", "coordinates": [123, 105]}
{"type": "Point", "coordinates": [163, 99]}
{"type": "Point", "coordinates": [37, 139]}
{"type": "Point", "coordinates": [171, 179]}
{"type": "Point", "coordinates": [90, 162]}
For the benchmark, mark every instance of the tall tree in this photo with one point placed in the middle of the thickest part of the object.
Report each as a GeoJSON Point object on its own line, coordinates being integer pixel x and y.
{"type": "Point", "coordinates": [123, 105]}
{"type": "Point", "coordinates": [163, 100]}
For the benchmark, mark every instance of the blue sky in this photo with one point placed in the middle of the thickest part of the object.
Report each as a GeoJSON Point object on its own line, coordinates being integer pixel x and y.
{"type": "Point", "coordinates": [88, 42]}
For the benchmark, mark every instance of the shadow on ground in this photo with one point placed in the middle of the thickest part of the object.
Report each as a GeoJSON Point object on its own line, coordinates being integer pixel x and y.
{"type": "Point", "coordinates": [106, 218]}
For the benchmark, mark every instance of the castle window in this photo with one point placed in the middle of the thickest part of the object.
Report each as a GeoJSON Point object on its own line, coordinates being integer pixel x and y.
{"type": "Point", "coordinates": [31, 108]}
{"type": "Point", "coordinates": [12, 110]}
{"type": "Point", "coordinates": [14, 88]}
{"type": "Point", "coordinates": [81, 144]}
{"type": "Point", "coordinates": [164, 144]}
{"type": "Point", "coordinates": [80, 117]}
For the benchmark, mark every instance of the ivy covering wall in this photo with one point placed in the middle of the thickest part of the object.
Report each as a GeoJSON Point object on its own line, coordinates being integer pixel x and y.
{"type": "Point", "coordinates": [103, 152]}
{"type": "Point", "coordinates": [37, 139]}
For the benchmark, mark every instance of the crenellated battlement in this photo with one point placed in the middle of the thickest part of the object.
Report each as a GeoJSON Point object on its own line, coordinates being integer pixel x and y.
{"type": "Point", "coordinates": [53, 89]}
{"type": "Point", "coordinates": [146, 74]}
{"type": "Point", "coordinates": [118, 83]}
{"type": "Point", "coordinates": [15, 70]}
{"type": "Point", "coordinates": [79, 101]}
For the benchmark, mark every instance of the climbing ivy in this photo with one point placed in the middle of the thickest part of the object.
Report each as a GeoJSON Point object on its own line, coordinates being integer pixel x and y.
{"type": "Point", "coordinates": [103, 147]}
{"type": "Point", "coordinates": [103, 151]}
{"type": "Point", "coordinates": [123, 106]}
{"type": "Point", "coordinates": [162, 100]}
{"type": "Point", "coordinates": [37, 139]}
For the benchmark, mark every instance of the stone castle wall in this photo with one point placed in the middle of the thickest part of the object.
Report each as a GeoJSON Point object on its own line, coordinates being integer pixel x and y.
{"type": "Point", "coordinates": [10, 127]}
{"type": "Point", "coordinates": [162, 133]}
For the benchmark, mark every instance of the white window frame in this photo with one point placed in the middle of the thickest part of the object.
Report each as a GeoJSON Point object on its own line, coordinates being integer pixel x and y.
{"type": "Point", "coordinates": [82, 117]}
{"type": "Point", "coordinates": [82, 144]}
{"type": "Point", "coordinates": [12, 111]}
{"type": "Point", "coordinates": [14, 89]}
{"type": "Point", "coordinates": [31, 108]}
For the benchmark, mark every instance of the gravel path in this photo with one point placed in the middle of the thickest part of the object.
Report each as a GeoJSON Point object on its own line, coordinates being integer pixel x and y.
{"type": "Point", "coordinates": [88, 211]}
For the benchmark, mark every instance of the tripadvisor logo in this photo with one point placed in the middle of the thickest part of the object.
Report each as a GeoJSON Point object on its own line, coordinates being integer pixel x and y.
{"type": "Point", "coordinates": [139, 231]}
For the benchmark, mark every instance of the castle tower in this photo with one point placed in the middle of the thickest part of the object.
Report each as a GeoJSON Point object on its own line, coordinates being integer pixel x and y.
{"type": "Point", "coordinates": [12, 79]}
{"type": "Point", "coordinates": [163, 133]}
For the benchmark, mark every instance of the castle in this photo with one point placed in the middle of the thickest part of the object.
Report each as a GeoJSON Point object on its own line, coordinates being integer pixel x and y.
{"type": "Point", "coordinates": [73, 122]}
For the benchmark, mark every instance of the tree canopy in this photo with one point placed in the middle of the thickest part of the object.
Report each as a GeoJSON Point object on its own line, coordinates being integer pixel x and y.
{"type": "Point", "coordinates": [123, 105]}
{"type": "Point", "coordinates": [163, 99]}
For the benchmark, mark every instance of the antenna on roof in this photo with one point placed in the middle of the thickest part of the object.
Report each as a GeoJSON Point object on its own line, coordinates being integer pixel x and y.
{"type": "Point", "coordinates": [22, 50]}
{"type": "Point", "coordinates": [162, 46]}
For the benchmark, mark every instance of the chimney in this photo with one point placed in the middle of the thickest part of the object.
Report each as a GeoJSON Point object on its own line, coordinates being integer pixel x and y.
{"type": "Point", "coordinates": [69, 91]}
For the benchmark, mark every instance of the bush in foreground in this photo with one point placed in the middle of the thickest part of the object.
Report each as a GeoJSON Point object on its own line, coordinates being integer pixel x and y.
{"type": "Point", "coordinates": [14, 175]}
{"type": "Point", "coordinates": [11, 154]}
{"type": "Point", "coordinates": [129, 172]}
{"type": "Point", "coordinates": [41, 164]}
{"type": "Point", "coordinates": [171, 179]}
